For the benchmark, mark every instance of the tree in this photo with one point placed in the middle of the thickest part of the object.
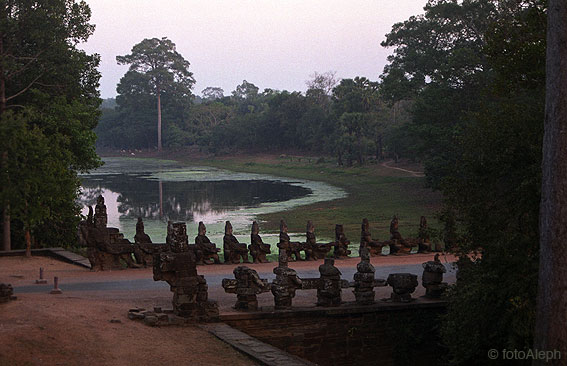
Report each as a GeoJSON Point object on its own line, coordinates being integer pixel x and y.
{"type": "Point", "coordinates": [320, 88]}
{"type": "Point", "coordinates": [156, 63]}
{"type": "Point", "coordinates": [245, 90]}
{"type": "Point", "coordinates": [48, 108]}
{"type": "Point", "coordinates": [356, 105]}
{"type": "Point", "coordinates": [212, 93]}
{"type": "Point", "coordinates": [550, 332]}
{"type": "Point", "coordinates": [475, 70]}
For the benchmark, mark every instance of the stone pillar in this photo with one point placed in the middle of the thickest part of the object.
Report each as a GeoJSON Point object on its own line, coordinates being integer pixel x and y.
{"type": "Point", "coordinates": [403, 285]}
{"type": "Point", "coordinates": [178, 267]}
{"type": "Point", "coordinates": [364, 279]}
{"type": "Point", "coordinates": [329, 290]}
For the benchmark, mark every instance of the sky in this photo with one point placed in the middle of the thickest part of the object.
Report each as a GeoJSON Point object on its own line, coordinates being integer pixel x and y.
{"type": "Point", "coordinates": [275, 44]}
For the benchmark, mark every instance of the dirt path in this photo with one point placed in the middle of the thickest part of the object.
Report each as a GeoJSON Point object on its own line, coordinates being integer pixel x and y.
{"type": "Point", "coordinates": [387, 164]}
{"type": "Point", "coordinates": [91, 327]}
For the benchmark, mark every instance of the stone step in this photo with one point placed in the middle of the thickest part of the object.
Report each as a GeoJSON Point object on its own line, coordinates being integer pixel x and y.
{"type": "Point", "coordinates": [256, 349]}
{"type": "Point", "coordinates": [57, 253]}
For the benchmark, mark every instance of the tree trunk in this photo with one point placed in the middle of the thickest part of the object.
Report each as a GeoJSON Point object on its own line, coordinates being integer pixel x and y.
{"type": "Point", "coordinates": [28, 243]}
{"type": "Point", "coordinates": [158, 119]}
{"type": "Point", "coordinates": [6, 233]}
{"type": "Point", "coordinates": [550, 330]}
{"type": "Point", "coordinates": [6, 240]}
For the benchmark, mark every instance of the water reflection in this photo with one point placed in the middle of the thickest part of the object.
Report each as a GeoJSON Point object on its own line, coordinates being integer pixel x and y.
{"type": "Point", "coordinates": [158, 191]}
{"type": "Point", "coordinates": [194, 201]}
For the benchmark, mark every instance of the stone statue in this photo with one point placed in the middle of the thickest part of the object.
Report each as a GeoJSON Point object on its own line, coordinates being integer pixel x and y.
{"type": "Point", "coordinates": [100, 216]}
{"type": "Point", "coordinates": [141, 237]}
{"type": "Point", "coordinates": [424, 242]}
{"type": "Point", "coordinates": [258, 250]}
{"type": "Point", "coordinates": [144, 249]}
{"type": "Point", "coordinates": [106, 246]}
{"type": "Point", "coordinates": [233, 250]}
{"type": "Point", "coordinates": [178, 267]}
{"type": "Point", "coordinates": [364, 281]}
{"type": "Point", "coordinates": [341, 243]}
{"type": "Point", "coordinates": [90, 219]}
{"type": "Point", "coordinates": [313, 250]}
{"type": "Point", "coordinates": [288, 247]}
{"type": "Point", "coordinates": [209, 250]}
{"type": "Point", "coordinates": [247, 284]}
{"type": "Point", "coordinates": [397, 243]}
{"type": "Point", "coordinates": [403, 285]}
{"type": "Point", "coordinates": [374, 247]}
{"type": "Point", "coordinates": [329, 290]}
{"type": "Point", "coordinates": [286, 282]}
{"type": "Point", "coordinates": [432, 278]}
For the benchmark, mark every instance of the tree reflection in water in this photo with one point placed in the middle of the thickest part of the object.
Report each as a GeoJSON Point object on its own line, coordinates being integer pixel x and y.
{"type": "Point", "coordinates": [189, 201]}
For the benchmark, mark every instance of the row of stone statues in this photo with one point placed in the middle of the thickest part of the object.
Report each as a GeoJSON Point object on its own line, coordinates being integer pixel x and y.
{"type": "Point", "coordinates": [108, 249]}
{"type": "Point", "coordinates": [247, 283]}
{"type": "Point", "coordinates": [176, 265]}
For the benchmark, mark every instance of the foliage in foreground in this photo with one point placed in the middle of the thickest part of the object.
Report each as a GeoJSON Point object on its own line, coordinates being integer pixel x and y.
{"type": "Point", "coordinates": [475, 70]}
{"type": "Point", "coordinates": [46, 119]}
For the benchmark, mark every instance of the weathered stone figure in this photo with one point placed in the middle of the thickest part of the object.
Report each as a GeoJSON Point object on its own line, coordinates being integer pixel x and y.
{"type": "Point", "coordinates": [286, 282]}
{"type": "Point", "coordinates": [341, 243]}
{"type": "Point", "coordinates": [178, 268]}
{"type": "Point", "coordinates": [106, 247]}
{"type": "Point", "coordinates": [141, 237]}
{"type": "Point", "coordinates": [90, 218]}
{"type": "Point", "coordinates": [314, 250]}
{"type": "Point", "coordinates": [288, 247]}
{"type": "Point", "coordinates": [398, 244]}
{"type": "Point", "coordinates": [424, 242]}
{"type": "Point", "coordinates": [233, 250]}
{"type": "Point", "coordinates": [100, 216]}
{"type": "Point", "coordinates": [258, 250]}
{"type": "Point", "coordinates": [329, 290]}
{"type": "Point", "coordinates": [432, 278]}
{"type": "Point", "coordinates": [247, 284]}
{"type": "Point", "coordinates": [375, 248]}
{"type": "Point", "coordinates": [208, 250]}
{"type": "Point", "coordinates": [364, 279]}
{"type": "Point", "coordinates": [144, 250]}
{"type": "Point", "coordinates": [403, 285]}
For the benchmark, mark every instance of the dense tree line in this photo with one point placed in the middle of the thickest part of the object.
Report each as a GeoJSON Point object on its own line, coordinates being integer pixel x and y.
{"type": "Point", "coordinates": [347, 119]}
{"type": "Point", "coordinates": [48, 108]}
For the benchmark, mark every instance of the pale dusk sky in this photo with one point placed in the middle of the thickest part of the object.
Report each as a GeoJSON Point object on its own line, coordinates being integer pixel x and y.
{"type": "Point", "coordinates": [274, 44]}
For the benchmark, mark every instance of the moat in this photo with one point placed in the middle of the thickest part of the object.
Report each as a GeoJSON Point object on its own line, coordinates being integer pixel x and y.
{"type": "Point", "coordinates": [162, 190]}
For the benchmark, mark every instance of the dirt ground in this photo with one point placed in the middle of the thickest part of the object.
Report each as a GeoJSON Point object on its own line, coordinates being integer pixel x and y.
{"type": "Point", "coordinates": [92, 327]}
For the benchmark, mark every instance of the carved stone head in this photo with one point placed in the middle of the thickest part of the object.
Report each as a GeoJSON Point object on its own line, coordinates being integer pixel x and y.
{"type": "Point", "coordinates": [283, 226]}
{"type": "Point", "coordinates": [423, 222]}
{"type": "Point", "coordinates": [365, 225]}
{"type": "Point", "coordinates": [255, 228]}
{"type": "Point", "coordinates": [202, 229]}
{"type": "Point", "coordinates": [140, 226]}
{"type": "Point", "coordinates": [339, 231]}
{"type": "Point", "coordinates": [228, 228]}
{"type": "Point", "coordinates": [178, 237]}
{"type": "Point", "coordinates": [364, 254]}
{"type": "Point", "coordinates": [282, 259]}
{"type": "Point", "coordinates": [310, 227]}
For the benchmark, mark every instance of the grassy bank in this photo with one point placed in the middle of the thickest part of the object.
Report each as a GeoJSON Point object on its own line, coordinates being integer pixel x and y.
{"type": "Point", "coordinates": [376, 192]}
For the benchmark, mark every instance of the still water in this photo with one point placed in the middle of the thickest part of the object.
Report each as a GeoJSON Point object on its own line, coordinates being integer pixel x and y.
{"type": "Point", "coordinates": [162, 190]}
